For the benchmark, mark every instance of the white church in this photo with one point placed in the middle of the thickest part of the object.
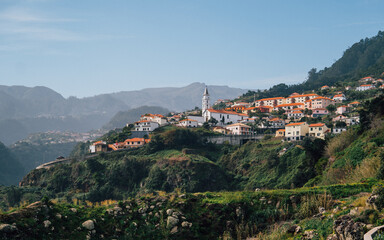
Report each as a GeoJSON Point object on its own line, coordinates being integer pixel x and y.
{"type": "Point", "coordinates": [223, 117]}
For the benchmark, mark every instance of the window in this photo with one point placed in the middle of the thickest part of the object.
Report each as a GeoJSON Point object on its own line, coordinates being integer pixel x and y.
{"type": "Point", "coordinates": [297, 132]}
{"type": "Point", "coordinates": [320, 128]}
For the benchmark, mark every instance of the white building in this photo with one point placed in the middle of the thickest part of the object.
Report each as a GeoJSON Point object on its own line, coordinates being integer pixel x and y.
{"type": "Point", "coordinates": [160, 119]}
{"type": "Point", "coordinates": [145, 125]}
{"type": "Point", "coordinates": [339, 98]}
{"type": "Point", "coordinates": [224, 117]}
{"type": "Point", "coordinates": [188, 123]}
{"type": "Point", "coordinates": [365, 87]}
{"type": "Point", "coordinates": [239, 129]}
{"type": "Point", "coordinates": [205, 103]}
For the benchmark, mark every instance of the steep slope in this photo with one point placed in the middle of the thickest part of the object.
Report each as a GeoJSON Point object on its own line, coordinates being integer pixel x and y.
{"type": "Point", "coordinates": [11, 170]}
{"type": "Point", "coordinates": [364, 58]}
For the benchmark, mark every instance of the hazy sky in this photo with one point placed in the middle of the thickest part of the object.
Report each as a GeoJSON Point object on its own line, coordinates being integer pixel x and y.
{"type": "Point", "coordinates": [87, 47]}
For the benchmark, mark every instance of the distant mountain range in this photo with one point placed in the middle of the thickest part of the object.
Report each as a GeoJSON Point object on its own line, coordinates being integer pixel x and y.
{"type": "Point", "coordinates": [25, 110]}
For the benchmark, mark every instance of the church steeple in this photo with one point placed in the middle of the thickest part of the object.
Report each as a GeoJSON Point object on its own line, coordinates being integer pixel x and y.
{"type": "Point", "coordinates": [206, 91]}
{"type": "Point", "coordinates": [205, 101]}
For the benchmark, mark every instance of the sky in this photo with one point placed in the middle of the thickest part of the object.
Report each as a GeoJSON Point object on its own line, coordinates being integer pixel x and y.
{"type": "Point", "coordinates": [87, 47]}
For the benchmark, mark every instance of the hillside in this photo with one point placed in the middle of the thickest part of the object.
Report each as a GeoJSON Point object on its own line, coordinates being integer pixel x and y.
{"type": "Point", "coordinates": [364, 58]}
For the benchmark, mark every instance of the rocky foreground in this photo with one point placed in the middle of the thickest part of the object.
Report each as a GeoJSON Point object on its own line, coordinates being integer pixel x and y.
{"type": "Point", "coordinates": [285, 214]}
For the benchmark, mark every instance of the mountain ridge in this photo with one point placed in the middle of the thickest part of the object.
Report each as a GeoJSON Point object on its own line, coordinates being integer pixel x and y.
{"type": "Point", "coordinates": [40, 108]}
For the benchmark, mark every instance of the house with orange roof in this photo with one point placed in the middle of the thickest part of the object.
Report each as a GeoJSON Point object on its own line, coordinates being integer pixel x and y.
{"type": "Point", "coordinates": [296, 131]}
{"type": "Point", "coordinates": [136, 142]}
{"type": "Point", "coordinates": [249, 120]}
{"type": "Point", "coordinates": [342, 109]}
{"type": "Point", "coordinates": [239, 129]}
{"type": "Point", "coordinates": [276, 123]}
{"type": "Point", "coordinates": [353, 104]}
{"type": "Point", "coordinates": [365, 87]}
{"type": "Point", "coordinates": [261, 109]}
{"type": "Point", "coordinates": [280, 133]}
{"type": "Point", "coordinates": [324, 87]}
{"type": "Point", "coordinates": [269, 102]}
{"type": "Point", "coordinates": [221, 130]}
{"type": "Point", "coordinates": [99, 146]}
{"type": "Point", "coordinates": [224, 117]}
{"type": "Point", "coordinates": [288, 106]}
{"type": "Point", "coordinates": [300, 98]}
{"type": "Point", "coordinates": [320, 102]}
{"type": "Point", "coordinates": [297, 114]}
{"type": "Point", "coordinates": [319, 112]}
{"type": "Point", "coordinates": [145, 125]}
{"type": "Point", "coordinates": [160, 119]}
{"type": "Point", "coordinates": [339, 98]}
{"type": "Point", "coordinates": [189, 123]}
{"type": "Point", "coordinates": [318, 130]}
{"type": "Point", "coordinates": [236, 108]}
{"type": "Point", "coordinates": [382, 86]}
{"type": "Point", "coordinates": [366, 79]}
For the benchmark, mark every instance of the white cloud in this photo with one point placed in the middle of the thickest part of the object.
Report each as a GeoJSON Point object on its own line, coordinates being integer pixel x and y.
{"type": "Point", "coordinates": [26, 15]}
{"type": "Point", "coordinates": [45, 34]}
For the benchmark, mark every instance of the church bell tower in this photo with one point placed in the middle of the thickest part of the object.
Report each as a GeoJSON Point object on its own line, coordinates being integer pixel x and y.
{"type": "Point", "coordinates": [205, 101]}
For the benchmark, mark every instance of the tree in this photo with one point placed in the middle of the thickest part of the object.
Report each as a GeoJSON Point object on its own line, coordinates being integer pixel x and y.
{"type": "Point", "coordinates": [331, 108]}
{"type": "Point", "coordinates": [213, 121]}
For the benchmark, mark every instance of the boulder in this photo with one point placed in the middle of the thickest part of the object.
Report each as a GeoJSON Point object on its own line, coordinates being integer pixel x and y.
{"type": "Point", "coordinates": [89, 224]}
{"type": "Point", "coordinates": [310, 234]}
{"type": "Point", "coordinates": [7, 228]}
{"type": "Point", "coordinates": [186, 224]}
{"type": "Point", "coordinates": [370, 202]}
{"type": "Point", "coordinates": [174, 230]}
{"type": "Point", "coordinates": [347, 229]}
{"type": "Point", "coordinates": [294, 229]}
{"type": "Point", "coordinates": [172, 221]}
{"type": "Point", "coordinates": [169, 212]}
{"type": "Point", "coordinates": [47, 223]}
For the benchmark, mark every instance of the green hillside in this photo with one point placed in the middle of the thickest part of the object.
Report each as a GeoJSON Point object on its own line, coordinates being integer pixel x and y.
{"type": "Point", "coordinates": [364, 58]}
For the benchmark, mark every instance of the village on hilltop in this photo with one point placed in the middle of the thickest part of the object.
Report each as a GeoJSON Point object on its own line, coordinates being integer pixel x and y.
{"type": "Point", "coordinates": [290, 118]}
